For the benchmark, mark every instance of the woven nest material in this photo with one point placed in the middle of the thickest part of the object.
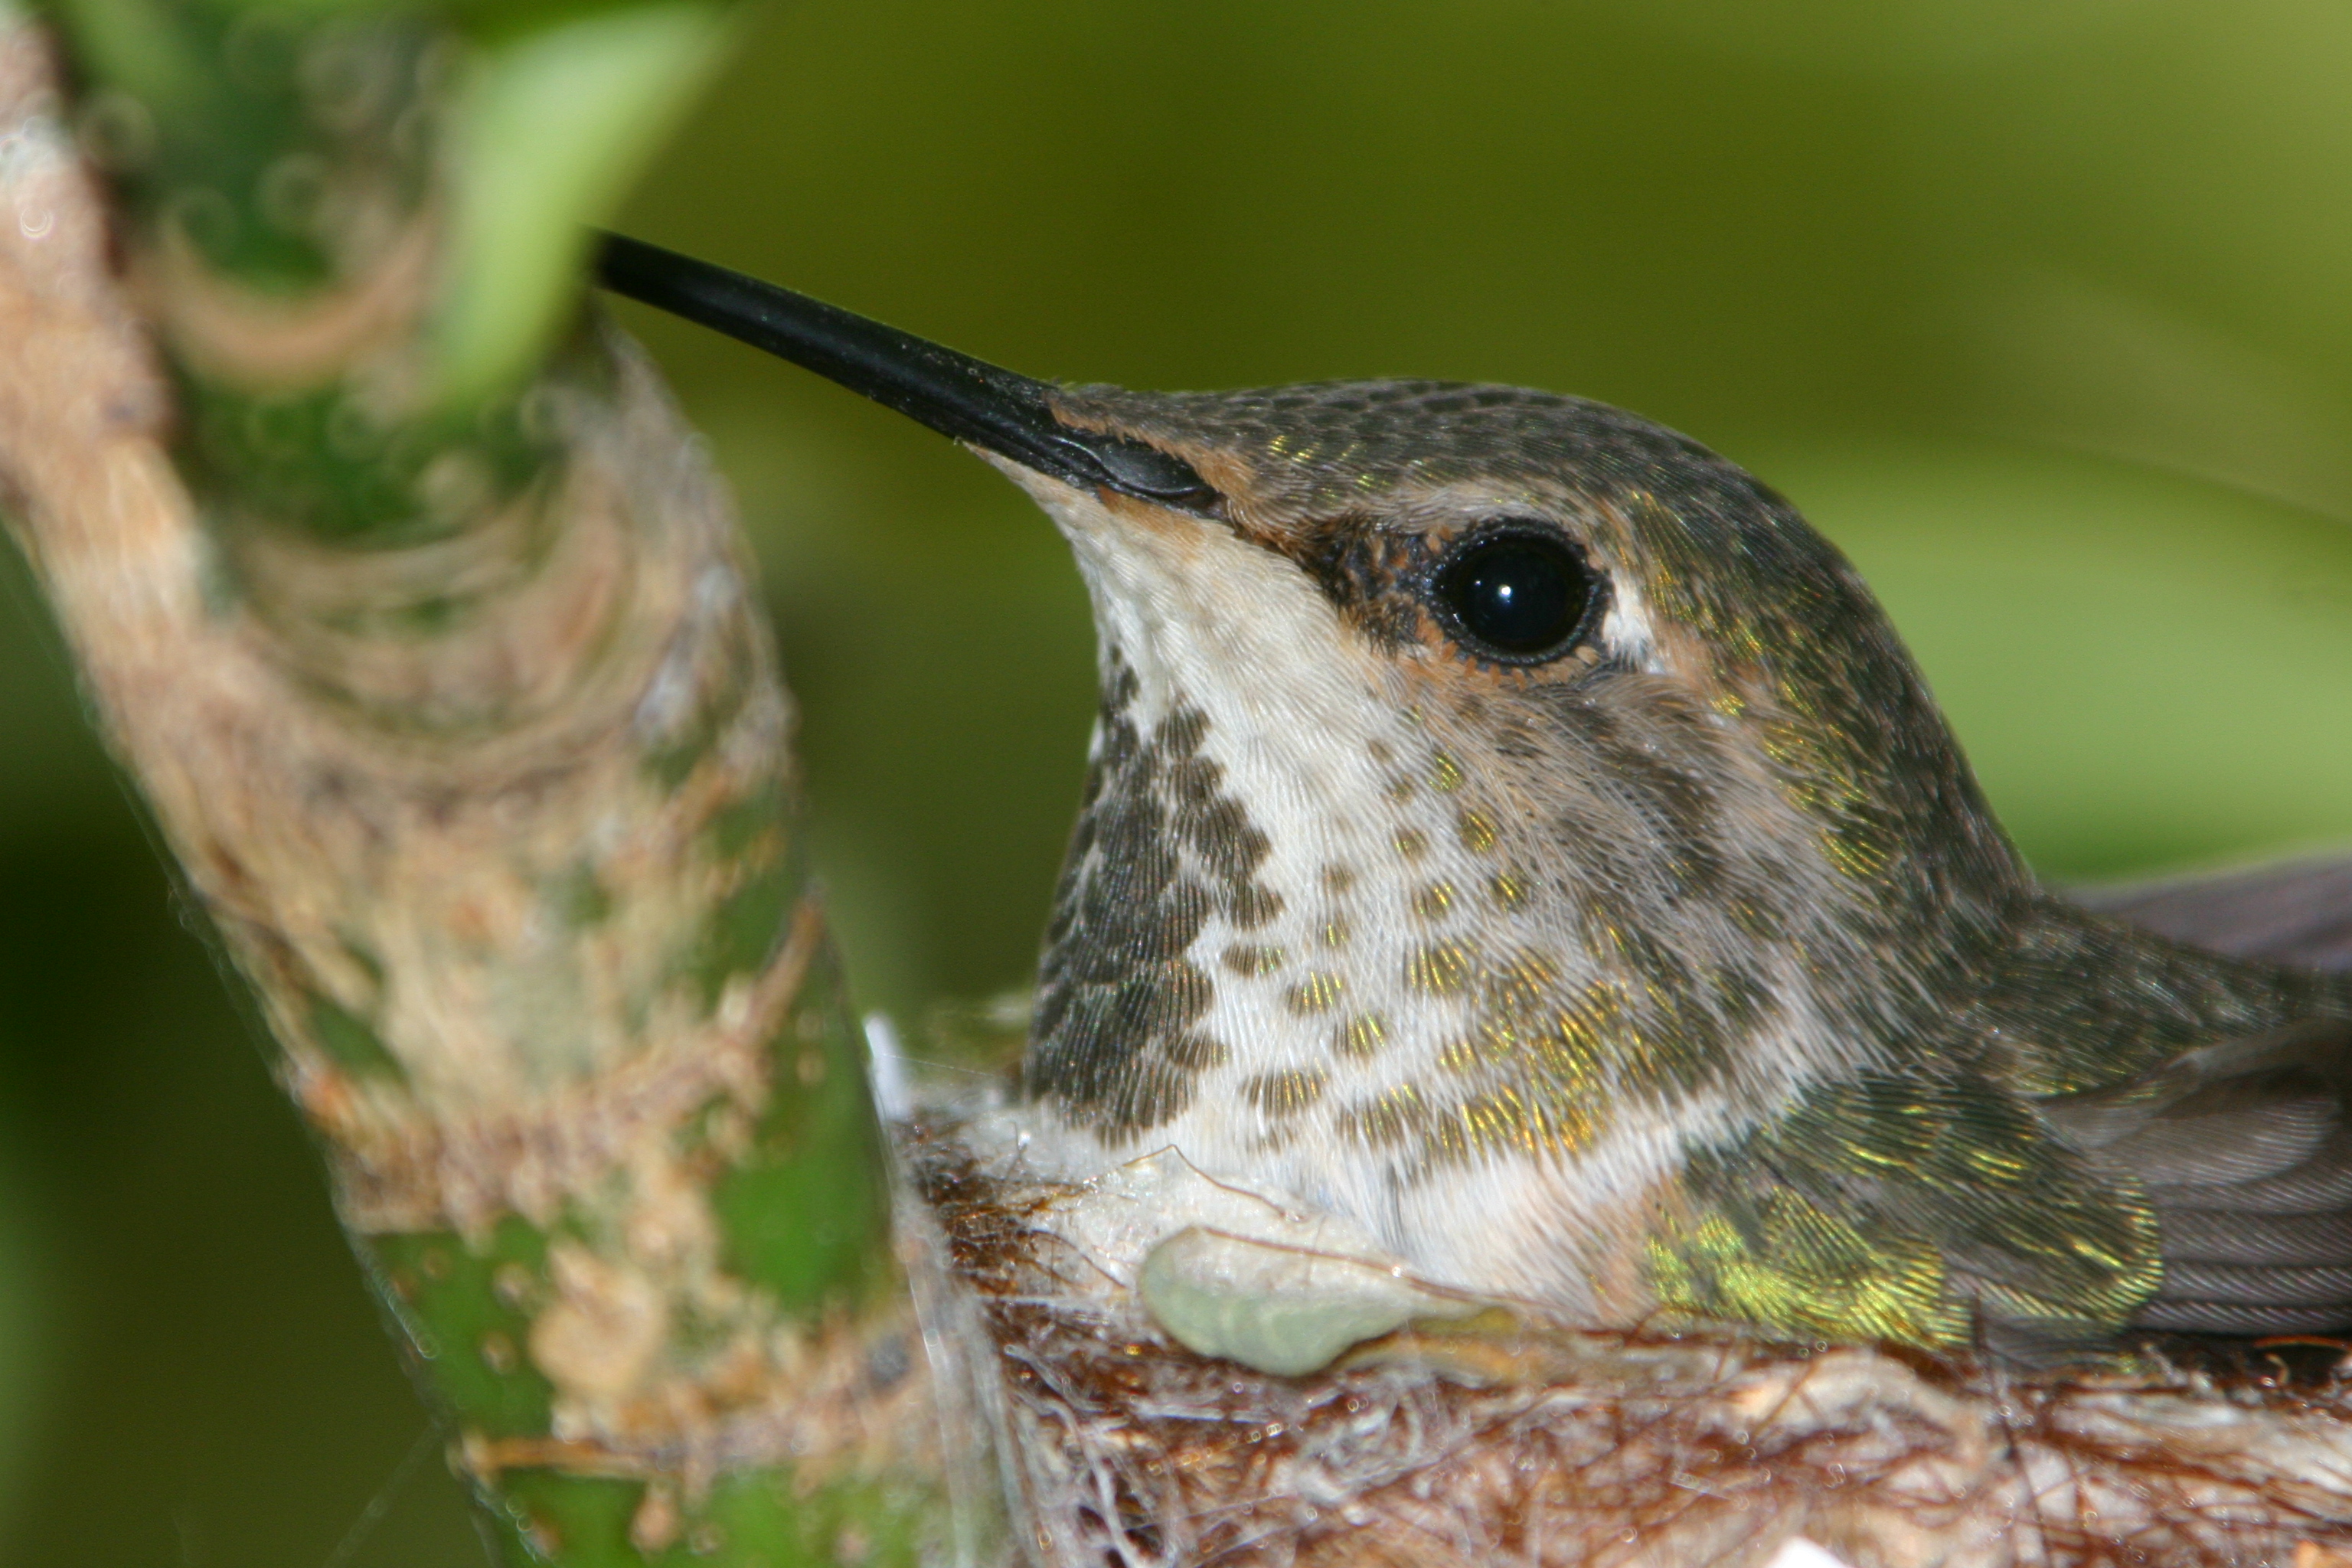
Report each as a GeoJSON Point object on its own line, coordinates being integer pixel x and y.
{"type": "Point", "coordinates": [1499, 1441]}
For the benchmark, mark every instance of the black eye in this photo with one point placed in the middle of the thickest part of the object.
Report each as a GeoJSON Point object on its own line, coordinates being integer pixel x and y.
{"type": "Point", "coordinates": [1519, 597]}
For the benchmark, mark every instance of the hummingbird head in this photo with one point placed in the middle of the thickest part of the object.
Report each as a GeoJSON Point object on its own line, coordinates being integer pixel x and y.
{"type": "Point", "coordinates": [1498, 731]}
{"type": "Point", "coordinates": [1482, 774]}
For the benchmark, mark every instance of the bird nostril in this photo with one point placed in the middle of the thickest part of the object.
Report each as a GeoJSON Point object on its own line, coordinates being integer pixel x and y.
{"type": "Point", "coordinates": [1134, 469]}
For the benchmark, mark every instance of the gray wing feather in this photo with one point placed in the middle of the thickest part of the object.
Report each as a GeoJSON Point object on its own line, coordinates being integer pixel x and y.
{"type": "Point", "coordinates": [2214, 1282]}
{"type": "Point", "coordinates": [2221, 1318]}
{"type": "Point", "coordinates": [2193, 1148]}
{"type": "Point", "coordinates": [2295, 1240]}
{"type": "Point", "coordinates": [2320, 1186]}
{"type": "Point", "coordinates": [2234, 1259]}
{"type": "Point", "coordinates": [2243, 1149]}
{"type": "Point", "coordinates": [2297, 912]}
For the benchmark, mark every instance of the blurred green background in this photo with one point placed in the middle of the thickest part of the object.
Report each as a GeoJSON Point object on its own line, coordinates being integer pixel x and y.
{"type": "Point", "coordinates": [2039, 307]}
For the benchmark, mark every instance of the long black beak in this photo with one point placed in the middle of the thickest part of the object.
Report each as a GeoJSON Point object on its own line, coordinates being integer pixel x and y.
{"type": "Point", "coordinates": [954, 393]}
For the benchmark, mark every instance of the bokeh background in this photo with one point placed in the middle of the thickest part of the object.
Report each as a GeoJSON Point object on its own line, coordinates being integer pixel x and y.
{"type": "Point", "coordinates": [2042, 308]}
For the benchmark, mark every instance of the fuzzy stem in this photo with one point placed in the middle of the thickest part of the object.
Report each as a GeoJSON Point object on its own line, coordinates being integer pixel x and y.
{"type": "Point", "coordinates": [456, 710]}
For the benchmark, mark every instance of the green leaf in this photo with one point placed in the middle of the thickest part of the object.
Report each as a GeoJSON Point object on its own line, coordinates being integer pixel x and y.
{"type": "Point", "coordinates": [551, 130]}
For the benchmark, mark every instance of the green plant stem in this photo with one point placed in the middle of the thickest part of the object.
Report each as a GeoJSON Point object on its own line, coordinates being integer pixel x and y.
{"type": "Point", "coordinates": [448, 693]}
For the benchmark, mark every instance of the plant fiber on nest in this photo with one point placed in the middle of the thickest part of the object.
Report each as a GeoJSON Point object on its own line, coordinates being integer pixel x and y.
{"type": "Point", "coordinates": [1502, 1441]}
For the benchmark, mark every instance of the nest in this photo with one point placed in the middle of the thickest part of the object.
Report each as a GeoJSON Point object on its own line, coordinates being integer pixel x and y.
{"type": "Point", "coordinates": [1500, 1440]}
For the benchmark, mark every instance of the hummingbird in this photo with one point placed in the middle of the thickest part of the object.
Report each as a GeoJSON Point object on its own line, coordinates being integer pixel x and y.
{"type": "Point", "coordinates": [1510, 826]}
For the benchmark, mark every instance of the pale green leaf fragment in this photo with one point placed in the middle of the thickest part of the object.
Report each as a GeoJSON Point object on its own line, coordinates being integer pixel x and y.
{"type": "Point", "coordinates": [553, 127]}
{"type": "Point", "coordinates": [1288, 1310]}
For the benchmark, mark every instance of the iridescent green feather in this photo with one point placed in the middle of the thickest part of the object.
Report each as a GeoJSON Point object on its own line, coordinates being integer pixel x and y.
{"type": "Point", "coordinates": [1885, 1208]}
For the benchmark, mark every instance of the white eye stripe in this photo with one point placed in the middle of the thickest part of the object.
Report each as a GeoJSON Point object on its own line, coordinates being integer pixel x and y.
{"type": "Point", "coordinates": [1626, 632]}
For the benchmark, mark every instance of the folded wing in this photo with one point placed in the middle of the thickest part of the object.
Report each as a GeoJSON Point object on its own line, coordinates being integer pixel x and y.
{"type": "Point", "coordinates": [2244, 1149]}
